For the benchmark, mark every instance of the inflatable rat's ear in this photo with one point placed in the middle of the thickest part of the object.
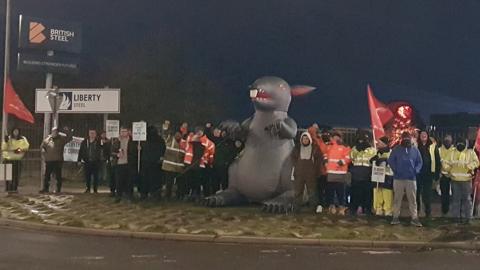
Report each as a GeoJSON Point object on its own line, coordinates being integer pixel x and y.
{"type": "Point", "coordinates": [300, 90]}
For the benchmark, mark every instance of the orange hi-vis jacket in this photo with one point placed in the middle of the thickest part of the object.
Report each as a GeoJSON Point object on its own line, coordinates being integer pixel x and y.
{"type": "Point", "coordinates": [208, 153]}
{"type": "Point", "coordinates": [333, 154]}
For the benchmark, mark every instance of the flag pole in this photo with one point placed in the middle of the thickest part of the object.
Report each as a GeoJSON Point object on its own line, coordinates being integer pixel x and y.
{"type": "Point", "coordinates": [6, 68]}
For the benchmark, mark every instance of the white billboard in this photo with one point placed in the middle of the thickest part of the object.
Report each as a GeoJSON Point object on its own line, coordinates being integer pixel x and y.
{"type": "Point", "coordinates": [81, 100]}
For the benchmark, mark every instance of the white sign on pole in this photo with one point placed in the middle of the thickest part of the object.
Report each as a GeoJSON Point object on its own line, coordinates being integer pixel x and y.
{"type": "Point", "coordinates": [70, 152]}
{"type": "Point", "coordinates": [6, 172]}
{"type": "Point", "coordinates": [81, 100]}
{"type": "Point", "coordinates": [378, 174]}
{"type": "Point", "coordinates": [113, 128]}
{"type": "Point", "coordinates": [139, 131]}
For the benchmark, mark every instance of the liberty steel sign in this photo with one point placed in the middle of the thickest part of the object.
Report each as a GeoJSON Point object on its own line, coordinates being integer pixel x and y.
{"type": "Point", "coordinates": [81, 100]}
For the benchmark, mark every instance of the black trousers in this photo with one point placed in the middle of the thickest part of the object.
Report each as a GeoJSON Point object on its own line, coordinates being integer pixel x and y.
{"type": "Point", "coordinates": [50, 168]}
{"type": "Point", "coordinates": [322, 190]}
{"type": "Point", "coordinates": [445, 197]}
{"type": "Point", "coordinates": [361, 195]}
{"type": "Point", "coordinates": [91, 170]}
{"type": "Point", "coordinates": [221, 175]}
{"type": "Point", "coordinates": [112, 177]}
{"type": "Point", "coordinates": [169, 180]}
{"type": "Point", "coordinates": [195, 178]}
{"type": "Point", "coordinates": [12, 186]}
{"type": "Point", "coordinates": [150, 180]}
{"type": "Point", "coordinates": [336, 188]}
{"type": "Point", "coordinates": [210, 183]}
{"type": "Point", "coordinates": [182, 186]}
{"type": "Point", "coordinates": [124, 181]}
{"type": "Point", "coordinates": [424, 192]}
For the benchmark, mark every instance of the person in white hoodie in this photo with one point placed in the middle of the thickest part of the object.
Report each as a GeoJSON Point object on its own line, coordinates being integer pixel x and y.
{"type": "Point", "coordinates": [305, 158]}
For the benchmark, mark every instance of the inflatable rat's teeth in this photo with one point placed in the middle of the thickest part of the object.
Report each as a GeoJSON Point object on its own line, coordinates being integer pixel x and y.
{"type": "Point", "coordinates": [253, 93]}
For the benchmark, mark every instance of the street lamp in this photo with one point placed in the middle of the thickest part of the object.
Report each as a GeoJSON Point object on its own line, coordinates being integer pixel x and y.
{"type": "Point", "coordinates": [55, 100]}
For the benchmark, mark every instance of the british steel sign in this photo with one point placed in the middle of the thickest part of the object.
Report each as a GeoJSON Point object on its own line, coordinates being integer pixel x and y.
{"type": "Point", "coordinates": [36, 33]}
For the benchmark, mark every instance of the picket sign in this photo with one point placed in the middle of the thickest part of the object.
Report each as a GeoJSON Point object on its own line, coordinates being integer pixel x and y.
{"type": "Point", "coordinates": [378, 174]}
{"type": "Point", "coordinates": [139, 133]}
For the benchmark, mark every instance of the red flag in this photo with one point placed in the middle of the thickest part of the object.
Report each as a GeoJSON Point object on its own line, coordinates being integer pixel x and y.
{"type": "Point", "coordinates": [477, 141]}
{"type": "Point", "coordinates": [380, 114]}
{"type": "Point", "coordinates": [14, 105]}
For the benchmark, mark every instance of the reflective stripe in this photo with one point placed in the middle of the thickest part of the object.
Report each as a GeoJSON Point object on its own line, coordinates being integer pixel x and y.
{"type": "Point", "coordinates": [334, 160]}
{"type": "Point", "coordinates": [462, 174]}
{"type": "Point", "coordinates": [175, 149]}
{"type": "Point", "coordinates": [336, 172]}
{"type": "Point", "coordinates": [189, 154]}
{"type": "Point", "coordinates": [174, 163]}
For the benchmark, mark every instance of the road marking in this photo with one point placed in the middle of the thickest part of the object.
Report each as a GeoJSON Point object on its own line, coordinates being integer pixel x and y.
{"type": "Point", "coordinates": [337, 253]}
{"type": "Point", "coordinates": [91, 258]}
{"type": "Point", "coordinates": [388, 252]}
{"type": "Point", "coordinates": [143, 256]}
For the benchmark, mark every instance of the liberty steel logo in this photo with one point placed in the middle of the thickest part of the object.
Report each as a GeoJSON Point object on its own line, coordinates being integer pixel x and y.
{"type": "Point", "coordinates": [36, 35]}
{"type": "Point", "coordinates": [66, 101]}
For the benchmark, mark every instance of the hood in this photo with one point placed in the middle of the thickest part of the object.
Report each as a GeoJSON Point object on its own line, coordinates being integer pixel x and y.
{"type": "Point", "coordinates": [305, 134]}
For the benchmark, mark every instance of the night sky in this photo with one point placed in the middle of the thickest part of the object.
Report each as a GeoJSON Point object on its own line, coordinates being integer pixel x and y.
{"type": "Point", "coordinates": [425, 52]}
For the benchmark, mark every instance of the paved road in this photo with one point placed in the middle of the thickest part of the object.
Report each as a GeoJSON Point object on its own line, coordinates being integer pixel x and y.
{"type": "Point", "coordinates": [21, 249]}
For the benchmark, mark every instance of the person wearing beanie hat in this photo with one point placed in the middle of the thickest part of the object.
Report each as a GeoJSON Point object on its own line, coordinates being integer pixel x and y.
{"type": "Point", "coordinates": [361, 170]}
{"type": "Point", "coordinates": [461, 165]}
{"type": "Point", "coordinates": [383, 192]}
{"type": "Point", "coordinates": [336, 158]}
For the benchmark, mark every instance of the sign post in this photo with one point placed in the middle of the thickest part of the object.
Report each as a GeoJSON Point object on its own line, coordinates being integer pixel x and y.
{"type": "Point", "coordinates": [139, 134]}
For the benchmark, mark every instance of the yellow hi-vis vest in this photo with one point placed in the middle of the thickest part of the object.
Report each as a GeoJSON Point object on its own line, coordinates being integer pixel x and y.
{"type": "Point", "coordinates": [444, 154]}
{"type": "Point", "coordinates": [8, 148]}
{"type": "Point", "coordinates": [362, 158]}
{"type": "Point", "coordinates": [388, 170]}
{"type": "Point", "coordinates": [461, 165]}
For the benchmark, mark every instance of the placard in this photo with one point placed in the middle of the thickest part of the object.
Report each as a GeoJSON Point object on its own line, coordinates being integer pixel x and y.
{"type": "Point", "coordinates": [378, 174]}
{"type": "Point", "coordinates": [113, 128]}
{"type": "Point", "coordinates": [139, 131]}
{"type": "Point", "coordinates": [71, 150]}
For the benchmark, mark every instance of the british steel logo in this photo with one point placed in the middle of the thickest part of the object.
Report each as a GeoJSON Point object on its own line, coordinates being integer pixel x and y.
{"type": "Point", "coordinates": [36, 35]}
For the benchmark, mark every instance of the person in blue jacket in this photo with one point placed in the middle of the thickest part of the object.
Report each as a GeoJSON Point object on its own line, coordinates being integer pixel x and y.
{"type": "Point", "coordinates": [406, 162]}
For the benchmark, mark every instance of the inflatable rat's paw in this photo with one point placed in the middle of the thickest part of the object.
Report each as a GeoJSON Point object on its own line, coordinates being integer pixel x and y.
{"type": "Point", "coordinates": [214, 201]}
{"type": "Point", "coordinates": [232, 128]}
{"type": "Point", "coordinates": [274, 128]}
{"type": "Point", "coordinates": [276, 206]}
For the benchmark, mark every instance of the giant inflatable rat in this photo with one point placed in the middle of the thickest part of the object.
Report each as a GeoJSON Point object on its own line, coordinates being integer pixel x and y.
{"type": "Point", "coordinates": [263, 171]}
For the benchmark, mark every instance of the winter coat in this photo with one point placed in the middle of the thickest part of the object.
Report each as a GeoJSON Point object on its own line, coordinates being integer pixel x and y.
{"type": "Point", "coordinates": [52, 148]}
{"type": "Point", "coordinates": [90, 151]}
{"type": "Point", "coordinates": [335, 153]}
{"type": "Point", "coordinates": [10, 148]}
{"type": "Point", "coordinates": [306, 168]}
{"type": "Point", "coordinates": [444, 154]}
{"type": "Point", "coordinates": [225, 153]}
{"type": "Point", "coordinates": [152, 152]}
{"type": "Point", "coordinates": [461, 166]}
{"type": "Point", "coordinates": [361, 168]}
{"type": "Point", "coordinates": [208, 152]}
{"type": "Point", "coordinates": [406, 162]}
{"type": "Point", "coordinates": [132, 152]}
